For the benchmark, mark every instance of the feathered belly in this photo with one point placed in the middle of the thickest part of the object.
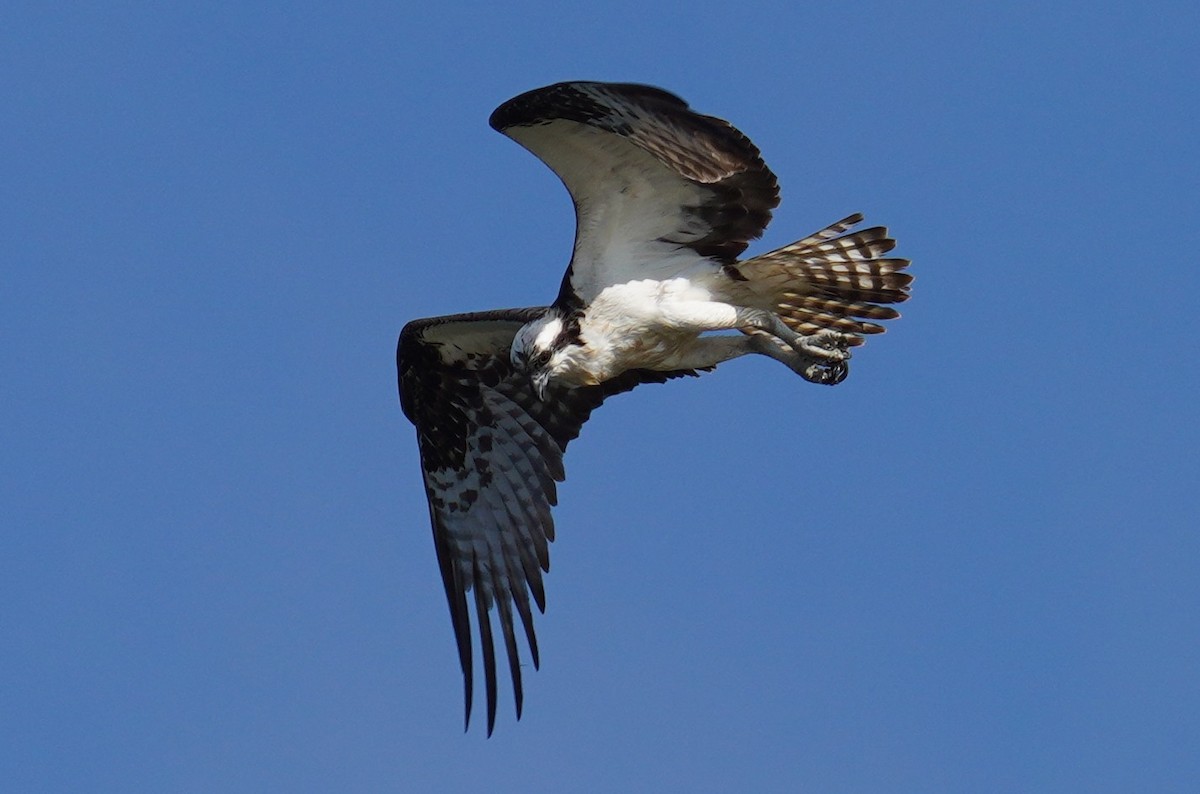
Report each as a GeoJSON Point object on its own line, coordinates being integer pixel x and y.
{"type": "Point", "coordinates": [607, 352]}
{"type": "Point", "coordinates": [637, 325]}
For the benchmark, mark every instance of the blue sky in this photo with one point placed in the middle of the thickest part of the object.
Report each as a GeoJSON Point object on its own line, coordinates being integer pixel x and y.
{"type": "Point", "coordinates": [970, 567]}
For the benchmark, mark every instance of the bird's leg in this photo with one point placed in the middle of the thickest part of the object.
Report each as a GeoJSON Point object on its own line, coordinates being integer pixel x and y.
{"type": "Point", "coordinates": [819, 357]}
{"type": "Point", "coordinates": [706, 352]}
{"type": "Point", "coordinates": [824, 345]}
{"type": "Point", "coordinates": [822, 371]}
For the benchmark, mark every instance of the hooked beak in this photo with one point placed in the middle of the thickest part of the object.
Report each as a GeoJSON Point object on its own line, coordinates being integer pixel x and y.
{"type": "Point", "coordinates": [540, 381]}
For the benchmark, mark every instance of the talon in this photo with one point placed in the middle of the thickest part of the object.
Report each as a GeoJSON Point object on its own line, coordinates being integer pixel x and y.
{"type": "Point", "coordinates": [826, 345]}
{"type": "Point", "coordinates": [819, 358]}
{"type": "Point", "coordinates": [826, 374]}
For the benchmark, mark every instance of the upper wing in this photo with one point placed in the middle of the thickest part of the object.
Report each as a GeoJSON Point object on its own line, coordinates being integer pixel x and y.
{"type": "Point", "coordinates": [491, 453]}
{"type": "Point", "coordinates": [656, 185]}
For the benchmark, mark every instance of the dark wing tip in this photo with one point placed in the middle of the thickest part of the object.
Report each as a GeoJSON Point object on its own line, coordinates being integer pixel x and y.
{"type": "Point", "coordinates": [568, 101]}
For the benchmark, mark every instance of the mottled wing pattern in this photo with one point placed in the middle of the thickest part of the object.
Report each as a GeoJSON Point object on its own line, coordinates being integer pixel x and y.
{"type": "Point", "coordinates": [491, 453]}
{"type": "Point", "coordinates": [655, 185]}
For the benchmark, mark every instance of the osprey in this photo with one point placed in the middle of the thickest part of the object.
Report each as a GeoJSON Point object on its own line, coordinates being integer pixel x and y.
{"type": "Point", "coordinates": [666, 200]}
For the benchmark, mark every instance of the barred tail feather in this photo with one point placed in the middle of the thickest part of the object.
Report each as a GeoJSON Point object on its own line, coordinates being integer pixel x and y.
{"type": "Point", "coordinates": [833, 279]}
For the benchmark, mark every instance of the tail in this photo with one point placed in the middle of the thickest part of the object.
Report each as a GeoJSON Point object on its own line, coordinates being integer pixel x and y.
{"type": "Point", "coordinates": [833, 279]}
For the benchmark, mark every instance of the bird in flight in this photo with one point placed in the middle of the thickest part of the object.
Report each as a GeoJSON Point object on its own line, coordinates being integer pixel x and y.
{"type": "Point", "coordinates": [666, 200]}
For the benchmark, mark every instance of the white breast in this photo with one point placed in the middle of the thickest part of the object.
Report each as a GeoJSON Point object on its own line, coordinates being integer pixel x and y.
{"type": "Point", "coordinates": [643, 324]}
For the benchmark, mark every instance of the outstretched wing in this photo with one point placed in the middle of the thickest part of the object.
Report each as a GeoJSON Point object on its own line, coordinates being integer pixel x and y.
{"type": "Point", "coordinates": [491, 453]}
{"type": "Point", "coordinates": [656, 185]}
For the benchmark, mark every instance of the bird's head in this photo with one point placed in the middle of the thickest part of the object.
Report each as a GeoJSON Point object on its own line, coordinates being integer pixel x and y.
{"type": "Point", "coordinates": [534, 348]}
